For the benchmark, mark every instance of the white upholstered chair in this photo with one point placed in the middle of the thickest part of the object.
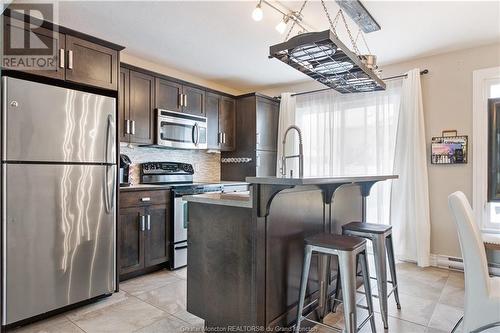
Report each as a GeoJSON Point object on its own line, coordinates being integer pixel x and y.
{"type": "Point", "coordinates": [482, 292]}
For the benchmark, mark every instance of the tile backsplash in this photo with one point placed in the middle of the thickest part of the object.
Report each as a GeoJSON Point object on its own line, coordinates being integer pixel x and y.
{"type": "Point", "coordinates": [206, 165]}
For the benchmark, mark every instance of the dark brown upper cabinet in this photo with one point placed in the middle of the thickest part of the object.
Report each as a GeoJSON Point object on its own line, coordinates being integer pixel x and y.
{"type": "Point", "coordinates": [267, 113]}
{"type": "Point", "coordinates": [174, 96]}
{"type": "Point", "coordinates": [48, 37]}
{"type": "Point", "coordinates": [212, 107]}
{"type": "Point", "coordinates": [78, 58]}
{"type": "Point", "coordinates": [123, 105]}
{"type": "Point", "coordinates": [221, 122]}
{"type": "Point", "coordinates": [136, 107]}
{"type": "Point", "coordinates": [257, 138]}
{"type": "Point", "coordinates": [193, 101]}
{"type": "Point", "coordinates": [168, 95]}
{"type": "Point", "coordinates": [227, 123]}
{"type": "Point", "coordinates": [91, 64]}
{"type": "Point", "coordinates": [141, 107]}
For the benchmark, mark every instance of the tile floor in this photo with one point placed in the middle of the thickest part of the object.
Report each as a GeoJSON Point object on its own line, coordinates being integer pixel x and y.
{"type": "Point", "coordinates": [431, 299]}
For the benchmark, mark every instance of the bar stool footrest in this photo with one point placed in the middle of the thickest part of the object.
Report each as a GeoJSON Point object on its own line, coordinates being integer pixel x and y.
{"type": "Point", "coordinates": [376, 296]}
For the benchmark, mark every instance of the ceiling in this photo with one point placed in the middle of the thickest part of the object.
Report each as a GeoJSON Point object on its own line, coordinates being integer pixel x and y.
{"type": "Point", "coordinates": [219, 41]}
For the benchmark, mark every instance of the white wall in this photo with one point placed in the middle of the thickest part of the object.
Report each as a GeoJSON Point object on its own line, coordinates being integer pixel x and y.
{"type": "Point", "coordinates": [447, 99]}
{"type": "Point", "coordinates": [154, 67]}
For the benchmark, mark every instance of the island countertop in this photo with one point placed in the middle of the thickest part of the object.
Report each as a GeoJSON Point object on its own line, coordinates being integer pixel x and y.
{"type": "Point", "coordinates": [317, 180]}
{"type": "Point", "coordinates": [235, 199]}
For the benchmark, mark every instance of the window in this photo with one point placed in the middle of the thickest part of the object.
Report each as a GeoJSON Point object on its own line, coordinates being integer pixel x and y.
{"type": "Point", "coordinates": [486, 84]}
{"type": "Point", "coordinates": [352, 134]}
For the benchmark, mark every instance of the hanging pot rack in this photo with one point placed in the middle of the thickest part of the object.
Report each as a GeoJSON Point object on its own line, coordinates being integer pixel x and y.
{"type": "Point", "coordinates": [324, 58]}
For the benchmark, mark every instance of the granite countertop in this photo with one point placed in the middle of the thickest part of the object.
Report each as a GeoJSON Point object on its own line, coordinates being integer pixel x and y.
{"type": "Point", "coordinates": [144, 187]}
{"type": "Point", "coordinates": [234, 199]}
{"type": "Point", "coordinates": [317, 180]}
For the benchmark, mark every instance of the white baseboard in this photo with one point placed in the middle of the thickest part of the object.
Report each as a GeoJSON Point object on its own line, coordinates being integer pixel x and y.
{"type": "Point", "coordinates": [457, 264]}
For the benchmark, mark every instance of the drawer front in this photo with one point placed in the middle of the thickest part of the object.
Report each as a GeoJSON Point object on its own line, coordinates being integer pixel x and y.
{"type": "Point", "coordinates": [144, 198]}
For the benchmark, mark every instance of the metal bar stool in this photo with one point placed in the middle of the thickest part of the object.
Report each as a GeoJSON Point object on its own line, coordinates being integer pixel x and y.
{"type": "Point", "coordinates": [381, 237]}
{"type": "Point", "coordinates": [347, 249]}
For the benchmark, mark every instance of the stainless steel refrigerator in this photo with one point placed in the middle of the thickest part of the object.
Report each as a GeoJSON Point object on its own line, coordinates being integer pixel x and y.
{"type": "Point", "coordinates": [58, 197]}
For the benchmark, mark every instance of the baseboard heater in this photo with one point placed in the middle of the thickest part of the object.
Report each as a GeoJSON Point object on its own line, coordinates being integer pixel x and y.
{"type": "Point", "coordinates": [458, 264]}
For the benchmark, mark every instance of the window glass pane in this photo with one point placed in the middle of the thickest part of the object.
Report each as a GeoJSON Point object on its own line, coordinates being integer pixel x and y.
{"type": "Point", "coordinates": [495, 91]}
{"type": "Point", "coordinates": [494, 207]}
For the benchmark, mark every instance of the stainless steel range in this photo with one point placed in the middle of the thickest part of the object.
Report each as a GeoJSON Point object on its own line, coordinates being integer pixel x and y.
{"type": "Point", "coordinates": [179, 176]}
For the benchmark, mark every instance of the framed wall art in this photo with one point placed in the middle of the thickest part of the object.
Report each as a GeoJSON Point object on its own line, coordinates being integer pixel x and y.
{"type": "Point", "coordinates": [449, 148]}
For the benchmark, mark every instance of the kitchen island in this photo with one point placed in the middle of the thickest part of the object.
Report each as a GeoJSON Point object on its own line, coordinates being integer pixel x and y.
{"type": "Point", "coordinates": [245, 250]}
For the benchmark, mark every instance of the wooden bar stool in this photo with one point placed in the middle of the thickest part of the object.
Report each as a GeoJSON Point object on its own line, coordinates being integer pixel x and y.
{"type": "Point", "coordinates": [347, 249]}
{"type": "Point", "coordinates": [381, 237]}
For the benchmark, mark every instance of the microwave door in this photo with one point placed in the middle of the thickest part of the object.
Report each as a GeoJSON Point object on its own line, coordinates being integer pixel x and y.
{"type": "Point", "coordinates": [180, 130]}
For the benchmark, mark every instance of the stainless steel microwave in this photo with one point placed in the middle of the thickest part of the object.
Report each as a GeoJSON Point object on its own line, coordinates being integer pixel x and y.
{"type": "Point", "coordinates": [181, 130]}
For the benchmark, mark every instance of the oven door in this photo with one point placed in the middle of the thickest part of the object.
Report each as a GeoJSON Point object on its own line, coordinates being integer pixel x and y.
{"type": "Point", "coordinates": [181, 130]}
{"type": "Point", "coordinates": [180, 220]}
{"type": "Point", "coordinates": [180, 233]}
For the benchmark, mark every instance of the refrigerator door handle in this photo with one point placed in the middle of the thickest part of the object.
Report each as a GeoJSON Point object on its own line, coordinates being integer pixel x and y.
{"type": "Point", "coordinates": [109, 128]}
{"type": "Point", "coordinates": [108, 192]}
{"type": "Point", "coordinates": [4, 242]}
{"type": "Point", "coordinates": [4, 118]}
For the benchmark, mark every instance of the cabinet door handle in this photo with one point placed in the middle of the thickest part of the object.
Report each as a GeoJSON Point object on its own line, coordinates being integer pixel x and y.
{"type": "Point", "coordinates": [181, 100]}
{"type": "Point", "coordinates": [145, 199]}
{"type": "Point", "coordinates": [62, 58]}
{"type": "Point", "coordinates": [143, 223]}
{"type": "Point", "coordinates": [224, 137]}
{"type": "Point", "coordinates": [148, 218]}
{"type": "Point", "coordinates": [127, 126]}
{"type": "Point", "coordinates": [219, 139]}
{"type": "Point", "coordinates": [132, 127]}
{"type": "Point", "coordinates": [70, 59]}
{"type": "Point", "coordinates": [185, 100]}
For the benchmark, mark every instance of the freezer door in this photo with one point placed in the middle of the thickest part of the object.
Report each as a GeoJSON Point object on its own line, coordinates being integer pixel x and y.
{"type": "Point", "coordinates": [53, 124]}
{"type": "Point", "coordinates": [59, 234]}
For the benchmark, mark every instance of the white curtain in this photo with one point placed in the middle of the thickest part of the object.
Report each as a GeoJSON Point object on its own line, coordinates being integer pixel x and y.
{"type": "Point", "coordinates": [352, 134]}
{"type": "Point", "coordinates": [287, 118]}
{"type": "Point", "coordinates": [410, 194]}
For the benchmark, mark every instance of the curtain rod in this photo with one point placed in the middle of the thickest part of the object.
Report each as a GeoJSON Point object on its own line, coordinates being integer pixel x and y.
{"type": "Point", "coordinates": [425, 71]}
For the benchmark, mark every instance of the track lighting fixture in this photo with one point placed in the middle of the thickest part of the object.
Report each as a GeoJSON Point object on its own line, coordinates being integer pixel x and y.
{"type": "Point", "coordinates": [258, 13]}
{"type": "Point", "coordinates": [281, 27]}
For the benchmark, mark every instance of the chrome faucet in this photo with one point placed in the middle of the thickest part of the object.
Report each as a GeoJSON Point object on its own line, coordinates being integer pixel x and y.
{"type": "Point", "coordinates": [300, 156]}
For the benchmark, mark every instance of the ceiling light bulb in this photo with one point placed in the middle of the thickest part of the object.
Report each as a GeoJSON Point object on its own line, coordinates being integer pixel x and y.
{"type": "Point", "coordinates": [257, 13]}
{"type": "Point", "coordinates": [281, 27]}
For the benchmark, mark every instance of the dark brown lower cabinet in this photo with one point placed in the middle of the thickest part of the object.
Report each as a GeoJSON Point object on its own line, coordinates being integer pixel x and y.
{"type": "Point", "coordinates": [131, 240]}
{"type": "Point", "coordinates": [157, 235]}
{"type": "Point", "coordinates": [144, 232]}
